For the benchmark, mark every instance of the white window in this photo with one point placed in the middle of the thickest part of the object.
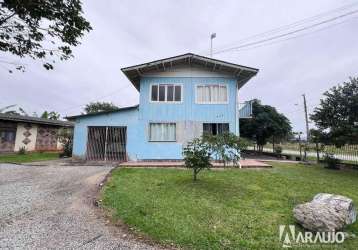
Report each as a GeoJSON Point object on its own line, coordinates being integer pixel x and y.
{"type": "Point", "coordinates": [162, 132]}
{"type": "Point", "coordinates": [166, 93]}
{"type": "Point", "coordinates": [211, 94]}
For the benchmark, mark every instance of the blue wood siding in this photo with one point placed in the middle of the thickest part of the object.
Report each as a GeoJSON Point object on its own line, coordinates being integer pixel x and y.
{"type": "Point", "coordinates": [137, 121]}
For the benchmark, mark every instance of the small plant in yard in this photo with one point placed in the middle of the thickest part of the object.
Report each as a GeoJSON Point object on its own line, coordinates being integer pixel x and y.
{"type": "Point", "coordinates": [331, 162]}
{"type": "Point", "coordinates": [197, 156]}
{"type": "Point", "coordinates": [278, 150]}
{"type": "Point", "coordinates": [22, 151]}
{"type": "Point", "coordinates": [226, 147]}
{"type": "Point", "coordinates": [66, 139]}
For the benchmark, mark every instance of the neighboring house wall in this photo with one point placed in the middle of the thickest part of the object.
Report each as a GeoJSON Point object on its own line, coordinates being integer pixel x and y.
{"type": "Point", "coordinates": [26, 136]}
{"type": "Point", "coordinates": [7, 136]}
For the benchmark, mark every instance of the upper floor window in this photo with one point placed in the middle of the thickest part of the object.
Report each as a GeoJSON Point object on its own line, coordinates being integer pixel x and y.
{"type": "Point", "coordinates": [212, 94]}
{"type": "Point", "coordinates": [166, 93]}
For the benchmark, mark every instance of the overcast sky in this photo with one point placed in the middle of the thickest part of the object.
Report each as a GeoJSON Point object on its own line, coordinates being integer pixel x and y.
{"type": "Point", "coordinates": [132, 32]}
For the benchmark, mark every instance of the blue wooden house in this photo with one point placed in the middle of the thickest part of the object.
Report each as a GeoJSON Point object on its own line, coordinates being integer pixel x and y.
{"type": "Point", "coordinates": [180, 98]}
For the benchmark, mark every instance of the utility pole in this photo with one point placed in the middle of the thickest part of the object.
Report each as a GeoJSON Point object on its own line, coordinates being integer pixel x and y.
{"type": "Point", "coordinates": [307, 128]}
{"type": "Point", "coordinates": [212, 36]}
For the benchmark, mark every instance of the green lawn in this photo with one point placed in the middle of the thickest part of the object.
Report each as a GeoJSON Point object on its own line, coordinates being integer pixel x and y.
{"type": "Point", "coordinates": [230, 209]}
{"type": "Point", "coordinates": [28, 157]}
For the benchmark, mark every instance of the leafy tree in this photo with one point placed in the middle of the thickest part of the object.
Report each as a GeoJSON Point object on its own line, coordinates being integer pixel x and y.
{"type": "Point", "coordinates": [337, 114]}
{"type": "Point", "coordinates": [41, 29]}
{"type": "Point", "coordinates": [265, 123]}
{"type": "Point", "coordinates": [197, 156]}
{"type": "Point", "coordinates": [95, 107]}
{"type": "Point", "coordinates": [50, 115]}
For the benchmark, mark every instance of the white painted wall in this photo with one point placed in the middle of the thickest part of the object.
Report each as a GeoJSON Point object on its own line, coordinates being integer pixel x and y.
{"type": "Point", "coordinates": [20, 137]}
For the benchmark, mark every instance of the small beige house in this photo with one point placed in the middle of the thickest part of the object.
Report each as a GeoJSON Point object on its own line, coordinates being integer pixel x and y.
{"type": "Point", "coordinates": [31, 133]}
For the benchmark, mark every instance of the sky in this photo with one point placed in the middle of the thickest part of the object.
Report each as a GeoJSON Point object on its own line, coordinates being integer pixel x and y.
{"type": "Point", "coordinates": [130, 32]}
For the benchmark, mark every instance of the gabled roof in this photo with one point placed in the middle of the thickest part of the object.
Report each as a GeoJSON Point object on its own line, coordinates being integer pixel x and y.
{"type": "Point", "coordinates": [35, 120]}
{"type": "Point", "coordinates": [241, 73]}
{"type": "Point", "coordinates": [101, 113]}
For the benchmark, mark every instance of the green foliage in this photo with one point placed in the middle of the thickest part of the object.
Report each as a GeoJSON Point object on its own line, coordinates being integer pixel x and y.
{"type": "Point", "coordinates": [336, 115]}
{"type": "Point", "coordinates": [227, 209]}
{"type": "Point", "coordinates": [330, 161]}
{"type": "Point", "coordinates": [95, 107]}
{"type": "Point", "coordinates": [197, 156]}
{"type": "Point", "coordinates": [42, 30]}
{"type": "Point", "coordinates": [22, 151]}
{"type": "Point", "coordinates": [226, 147]}
{"type": "Point", "coordinates": [50, 115]}
{"type": "Point", "coordinates": [28, 157]}
{"type": "Point", "coordinates": [265, 123]}
{"type": "Point", "coordinates": [66, 139]}
{"type": "Point", "coordinates": [278, 149]}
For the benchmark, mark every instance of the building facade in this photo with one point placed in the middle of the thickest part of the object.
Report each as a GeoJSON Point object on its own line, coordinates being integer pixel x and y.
{"type": "Point", "coordinates": [30, 133]}
{"type": "Point", "coordinates": [180, 98]}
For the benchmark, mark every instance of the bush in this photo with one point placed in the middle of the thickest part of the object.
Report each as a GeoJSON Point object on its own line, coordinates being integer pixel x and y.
{"type": "Point", "coordinates": [278, 149]}
{"type": "Point", "coordinates": [66, 139]}
{"type": "Point", "coordinates": [331, 162]}
{"type": "Point", "coordinates": [226, 147]}
{"type": "Point", "coordinates": [197, 156]}
{"type": "Point", "coordinates": [22, 151]}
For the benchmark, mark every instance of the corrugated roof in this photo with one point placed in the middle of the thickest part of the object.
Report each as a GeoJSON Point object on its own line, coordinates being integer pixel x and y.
{"type": "Point", "coordinates": [101, 113]}
{"type": "Point", "coordinates": [36, 120]}
{"type": "Point", "coordinates": [242, 73]}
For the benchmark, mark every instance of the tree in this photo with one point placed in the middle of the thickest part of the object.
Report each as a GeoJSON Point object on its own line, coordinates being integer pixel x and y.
{"type": "Point", "coordinates": [226, 147]}
{"type": "Point", "coordinates": [95, 107]}
{"type": "Point", "coordinates": [197, 156]}
{"type": "Point", "coordinates": [337, 114]}
{"type": "Point", "coordinates": [50, 115]}
{"type": "Point", "coordinates": [265, 123]}
{"type": "Point", "coordinates": [41, 29]}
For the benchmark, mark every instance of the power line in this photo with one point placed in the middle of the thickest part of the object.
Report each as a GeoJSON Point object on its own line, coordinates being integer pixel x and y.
{"type": "Point", "coordinates": [98, 98]}
{"type": "Point", "coordinates": [287, 33]}
{"type": "Point", "coordinates": [294, 24]}
{"type": "Point", "coordinates": [297, 36]}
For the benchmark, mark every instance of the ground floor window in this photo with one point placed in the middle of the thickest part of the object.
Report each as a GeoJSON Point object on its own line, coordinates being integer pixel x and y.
{"type": "Point", "coordinates": [7, 136]}
{"type": "Point", "coordinates": [162, 132]}
{"type": "Point", "coordinates": [215, 128]}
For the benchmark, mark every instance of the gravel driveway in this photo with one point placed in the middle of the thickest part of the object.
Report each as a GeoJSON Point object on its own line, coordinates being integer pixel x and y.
{"type": "Point", "coordinates": [51, 207]}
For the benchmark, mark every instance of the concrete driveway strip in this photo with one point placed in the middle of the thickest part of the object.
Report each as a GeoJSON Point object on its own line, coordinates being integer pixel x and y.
{"type": "Point", "coordinates": [51, 207]}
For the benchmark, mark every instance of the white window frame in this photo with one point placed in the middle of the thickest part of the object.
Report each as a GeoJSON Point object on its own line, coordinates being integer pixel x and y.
{"type": "Point", "coordinates": [205, 85]}
{"type": "Point", "coordinates": [165, 94]}
{"type": "Point", "coordinates": [156, 122]}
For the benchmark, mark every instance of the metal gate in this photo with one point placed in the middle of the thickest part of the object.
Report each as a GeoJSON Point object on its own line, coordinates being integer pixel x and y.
{"type": "Point", "coordinates": [106, 144]}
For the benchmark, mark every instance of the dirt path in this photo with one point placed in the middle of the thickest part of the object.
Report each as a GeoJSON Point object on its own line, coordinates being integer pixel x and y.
{"type": "Point", "coordinates": [44, 207]}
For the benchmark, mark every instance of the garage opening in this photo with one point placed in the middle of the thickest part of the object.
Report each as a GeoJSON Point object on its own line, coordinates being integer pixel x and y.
{"type": "Point", "coordinates": [106, 143]}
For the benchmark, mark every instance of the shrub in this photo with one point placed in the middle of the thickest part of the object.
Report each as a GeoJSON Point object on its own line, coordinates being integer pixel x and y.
{"type": "Point", "coordinates": [278, 149]}
{"type": "Point", "coordinates": [22, 151]}
{"type": "Point", "coordinates": [66, 139]}
{"type": "Point", "coordinates": [197, 156]}
{"type": "Point", "coordinates": [226, 147]}
{"type": "Point", "coordinates": [331, 162]}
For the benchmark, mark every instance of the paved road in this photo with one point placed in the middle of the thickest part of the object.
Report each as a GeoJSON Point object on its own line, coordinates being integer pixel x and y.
{"type": "Point", "coordinates": [51, 207]}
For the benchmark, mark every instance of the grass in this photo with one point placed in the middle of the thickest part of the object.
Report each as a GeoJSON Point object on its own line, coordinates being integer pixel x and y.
{"type": "Point", "coordinates": [230, 209]}
{"type": "Point", "coordinates": [28, 157]}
